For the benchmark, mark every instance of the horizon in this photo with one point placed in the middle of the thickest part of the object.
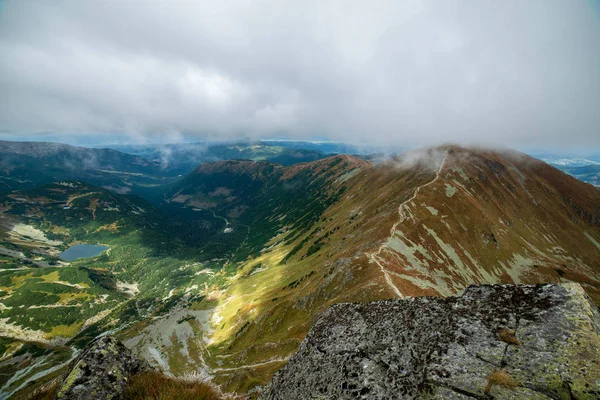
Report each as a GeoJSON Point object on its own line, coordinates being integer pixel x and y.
{"type": "Point", "coordinates": [358, 148]}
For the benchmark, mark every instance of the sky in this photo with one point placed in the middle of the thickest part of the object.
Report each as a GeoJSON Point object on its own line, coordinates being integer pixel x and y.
{"type": "Point", "coordinates": [412, 72]}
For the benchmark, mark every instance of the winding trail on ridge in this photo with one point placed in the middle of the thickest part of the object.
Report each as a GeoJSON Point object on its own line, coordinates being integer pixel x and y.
{"type": "Point", "coordinates": [375, 256]}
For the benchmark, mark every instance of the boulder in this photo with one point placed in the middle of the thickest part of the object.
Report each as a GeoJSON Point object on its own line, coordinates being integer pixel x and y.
{"type": "Point", "coordinates": [100, 372]}
{"type": "Point", "coordinates": [493, 342]}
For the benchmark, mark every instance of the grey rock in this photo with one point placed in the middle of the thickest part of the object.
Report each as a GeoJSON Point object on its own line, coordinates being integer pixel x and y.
{"type": "Point", "coordinates": [493, 342]}
{"type": "Point", "coordinates": [100, 372]}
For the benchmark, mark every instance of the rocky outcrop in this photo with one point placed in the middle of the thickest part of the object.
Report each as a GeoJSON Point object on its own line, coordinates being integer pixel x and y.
{"type": "Point", "coordinates": [493, 342]}
{"type": "Point", "coordinates": [100, 372]}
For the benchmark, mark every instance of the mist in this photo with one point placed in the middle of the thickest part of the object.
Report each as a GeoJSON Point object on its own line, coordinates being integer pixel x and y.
{"type": "Point", "coordinates": [379, 73]}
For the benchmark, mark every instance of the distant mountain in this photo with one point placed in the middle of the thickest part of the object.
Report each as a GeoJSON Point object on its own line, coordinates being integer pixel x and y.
{"type": "Point", "coordinates": [333, 147]}
{"type": "Point", "coordinates": [144, 170]}
{"type": "Point", "coordinates": [586, 169]}
{"type": "Point", "coordinates": [28, 164]}
{"type": "Point", "coordinates": [184, 157]}
{"type": "Point", "coordinates": [586, 173]}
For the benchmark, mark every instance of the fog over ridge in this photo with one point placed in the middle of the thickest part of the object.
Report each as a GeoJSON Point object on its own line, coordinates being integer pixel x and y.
{"type": "Point", "coordinates": [411, 73]}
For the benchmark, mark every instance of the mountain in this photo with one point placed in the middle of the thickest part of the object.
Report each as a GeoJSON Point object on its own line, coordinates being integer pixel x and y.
{"type": "Point", "coordinates": [427, 223]}
{"type": "Point", "coordinates": [264, 198]}
{"type": "Point", "coordinates": [335, 147]}
{"type": "Point", "coordinates": [586, 169]}
{"type": "Point", "coordinates": [229, 274]}
{"type": "Point", "coordinates": [29, 164]}
{"type": "Point", "coordinates": [587, 173]}
{"type": "Point", "coordinates": [144, 170]}
{"type": "Point", "coordinates": [182, 158]}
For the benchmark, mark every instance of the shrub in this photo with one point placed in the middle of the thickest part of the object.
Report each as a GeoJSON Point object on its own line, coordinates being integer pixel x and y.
{"type": "Point", "coordinates": [500, 378]}
{"type": "Point", "coordinates": [508, 336]}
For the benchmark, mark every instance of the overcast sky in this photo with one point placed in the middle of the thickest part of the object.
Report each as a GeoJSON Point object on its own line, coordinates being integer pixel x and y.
{"type": "Point", "coordinates": [518, 73]}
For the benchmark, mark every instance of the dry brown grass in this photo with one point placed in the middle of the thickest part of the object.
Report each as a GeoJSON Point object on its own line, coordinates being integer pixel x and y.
{"type": "Point", "coordinates": [47, 392]}
{"type": "Point", "coordinates": [508, 336]}
{"type": "Point", "coordinates": [500, 378]}
{"type": "Point", "coordinates": [157, 386]}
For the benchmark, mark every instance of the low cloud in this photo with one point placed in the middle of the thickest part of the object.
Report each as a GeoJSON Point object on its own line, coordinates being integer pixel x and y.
{"type": "Point", "coordinates": [430, 157]}
{"type": "Point", "coordinates": [375, 73]}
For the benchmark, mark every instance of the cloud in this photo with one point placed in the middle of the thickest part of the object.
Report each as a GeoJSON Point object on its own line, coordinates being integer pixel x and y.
{"type": "Point", "coordinates": [414, 72]}
{"type": "Point", "coordinates": [426, 157]}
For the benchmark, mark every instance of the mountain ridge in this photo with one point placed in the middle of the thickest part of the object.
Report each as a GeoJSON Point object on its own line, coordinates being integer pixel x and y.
{"type": "Point", "coordinates": [256, 251]}
{"type": "Point", "coordinates": [429, 253]}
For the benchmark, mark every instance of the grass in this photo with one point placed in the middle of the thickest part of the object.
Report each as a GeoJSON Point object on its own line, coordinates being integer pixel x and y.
{"type": "Point", "coordinates": [66, 331]}
{"type": "Point", "coordinates": [147, 386]}
{"type": "Point", "coordinates": [51, 277]}
{"type": "Point", "coordinates": [502, 378]}
{"type": "Point", "coordinates": [508, 336]}
{"type": "Point", "coordinates": [66, 298]}
{"type": "Point", "coordinates": [47, 392]}
{"type": "Point", "coordinates": [156, 386]}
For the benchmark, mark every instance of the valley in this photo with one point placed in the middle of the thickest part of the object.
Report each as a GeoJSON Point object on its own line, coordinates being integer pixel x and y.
{"type": "Point", "coordinates": [220, 273]}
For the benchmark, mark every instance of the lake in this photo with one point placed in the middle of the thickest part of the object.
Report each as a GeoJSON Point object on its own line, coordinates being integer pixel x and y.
{"type": "Point", "coordinates": [78, 251]}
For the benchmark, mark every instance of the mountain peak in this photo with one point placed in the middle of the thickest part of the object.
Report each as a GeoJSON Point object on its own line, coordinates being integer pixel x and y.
{"type": "Point", "coordinates": [334, 165]}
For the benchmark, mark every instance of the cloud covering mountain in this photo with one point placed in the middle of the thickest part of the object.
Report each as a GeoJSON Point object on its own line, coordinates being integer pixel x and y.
{"type": "Point", "coordinates": [411, 72]}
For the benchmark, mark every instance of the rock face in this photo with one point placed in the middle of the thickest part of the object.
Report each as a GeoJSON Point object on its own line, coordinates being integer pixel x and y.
{"type": "Point", "coordinates": [493, 342]}
{"type": "Point", "coordinates": [100, 372]}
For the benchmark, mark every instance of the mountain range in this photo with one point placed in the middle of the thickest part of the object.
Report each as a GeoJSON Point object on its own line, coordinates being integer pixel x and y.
{"type": "Point", "coordinates": [223, 271]}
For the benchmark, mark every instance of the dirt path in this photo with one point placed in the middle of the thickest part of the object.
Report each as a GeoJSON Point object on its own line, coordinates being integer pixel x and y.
{"type": "Point", "coordinates": [275, 360]}
{"type": "Point", "coordinates": [375, 256]}
{"type": "Point", "coordinates": [220, 217]}
{"type": "Point", "coordinates": [72, 198]}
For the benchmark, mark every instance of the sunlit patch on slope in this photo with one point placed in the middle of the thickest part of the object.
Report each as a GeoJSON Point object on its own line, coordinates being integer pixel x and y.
{"type": "Point", "coordinates": [587, 235]}
{"type": "Point", "coordinates": [176, 342]}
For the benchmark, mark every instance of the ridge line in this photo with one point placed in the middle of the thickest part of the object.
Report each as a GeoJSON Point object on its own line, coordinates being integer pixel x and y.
{"type": "Point", "coordinates": [374, 256]}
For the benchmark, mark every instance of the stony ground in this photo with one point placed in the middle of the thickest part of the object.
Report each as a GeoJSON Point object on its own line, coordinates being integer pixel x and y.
{"type": "Point", "coordinates": [494, 341]}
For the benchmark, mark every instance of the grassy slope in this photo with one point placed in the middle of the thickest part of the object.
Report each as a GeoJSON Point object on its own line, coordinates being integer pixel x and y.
{"type": "Point", "coordinates": [489, 217]}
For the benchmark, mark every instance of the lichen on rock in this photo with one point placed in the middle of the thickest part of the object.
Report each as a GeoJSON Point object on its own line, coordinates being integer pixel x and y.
{"type": "Point", "coordinates": [494, 341]}
{"type": "Point", "coordinates": [100, 372]}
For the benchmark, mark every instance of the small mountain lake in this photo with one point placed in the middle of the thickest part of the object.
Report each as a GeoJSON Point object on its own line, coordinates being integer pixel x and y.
{"type": "Point", "coordinates": [78, 251]}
